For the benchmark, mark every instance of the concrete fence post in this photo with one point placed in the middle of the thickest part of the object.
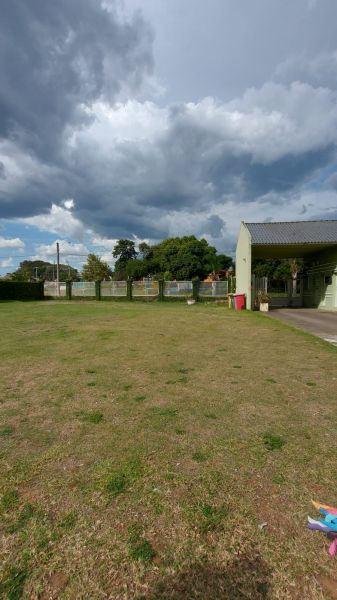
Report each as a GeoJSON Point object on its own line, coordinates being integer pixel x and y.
{"type": "Point", "coordinates": [129, 288]}
{"type": "Point", "coordinates": [196, 288]}
{"type": "Point", "coordinates": [41, 291]}
{"type": "Point", "coordinates": [69, 285]}
{"type": "Point", "coordinates": [98, 290]}
{"type": "Point", "coordinates": [161, 284]}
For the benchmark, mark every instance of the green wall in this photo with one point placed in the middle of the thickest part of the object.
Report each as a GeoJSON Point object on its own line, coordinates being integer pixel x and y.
{"type": "Point", "coordinates": [320, 286]}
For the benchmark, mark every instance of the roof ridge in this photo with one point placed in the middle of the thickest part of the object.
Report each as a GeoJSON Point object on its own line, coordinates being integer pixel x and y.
{"type": "Point", "coordinates": [287, 222]}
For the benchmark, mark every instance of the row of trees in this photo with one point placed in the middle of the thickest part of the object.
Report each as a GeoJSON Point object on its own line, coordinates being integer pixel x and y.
{"type": "Point", "coordinates": [181, 258]}
{"type": "Point", "coordinates": [35, 270]}
{"type": "Point", "coordinates": [174, 258]}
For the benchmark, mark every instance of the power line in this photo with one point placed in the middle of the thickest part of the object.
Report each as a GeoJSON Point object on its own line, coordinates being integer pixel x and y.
{"type": "Point", "coordinates": [61, 253]}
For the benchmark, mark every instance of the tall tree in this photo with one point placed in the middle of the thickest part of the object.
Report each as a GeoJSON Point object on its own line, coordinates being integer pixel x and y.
{"type": "Point", "coordinates": [124, 251]}
{"type": "Point", "coordinates": [96, 269]}
{"type": "Point", "coordinates": [145, 250]}
{"type": "Point", "coordinates": [225, 262]}
{"type": "Point", "coordinates": [184, 257]}
{"type": "Point", "coordinates": [179, 258]}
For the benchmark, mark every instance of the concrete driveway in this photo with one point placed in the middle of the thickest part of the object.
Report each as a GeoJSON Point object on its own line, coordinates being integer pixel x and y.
{"type": "Point", "coordinates": [319, 322]}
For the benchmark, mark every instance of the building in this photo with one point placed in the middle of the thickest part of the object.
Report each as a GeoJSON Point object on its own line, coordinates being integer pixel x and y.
{"type": "Point", "coordinates": [315, 241]}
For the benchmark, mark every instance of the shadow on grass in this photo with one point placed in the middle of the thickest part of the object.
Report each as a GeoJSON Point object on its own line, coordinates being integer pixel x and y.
{"type": "Point", "coordinates": [243, 578]}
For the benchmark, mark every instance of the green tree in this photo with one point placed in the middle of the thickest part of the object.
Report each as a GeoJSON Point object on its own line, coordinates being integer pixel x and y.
{"type": "Point", "coordinates": [96, 269]}
{"type": "Point", "coordinates": [137, 268]}
{"type": "Point", "coordinates": [278, 269]}
{"type": "Point", "coordinates": [124, 251]}
{"type": "Point", "coordinates": [34, 270]}
{"type": "Point", "coordinates": [184, 257]}
{"type": "Point", "coordinates": [145, 250]}
{"type": "Point", "coordinates": [225, 262]}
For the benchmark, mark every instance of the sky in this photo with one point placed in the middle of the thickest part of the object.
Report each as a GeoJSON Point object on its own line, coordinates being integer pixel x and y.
{"type": "Point", "coordinates": [145, 119]}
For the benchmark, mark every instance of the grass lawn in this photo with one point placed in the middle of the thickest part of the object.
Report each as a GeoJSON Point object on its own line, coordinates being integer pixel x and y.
{"type": "Point", "coordinates": [162, 452]}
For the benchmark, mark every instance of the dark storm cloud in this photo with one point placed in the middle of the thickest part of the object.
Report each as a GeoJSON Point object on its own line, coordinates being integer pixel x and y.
{"type": "Point", "coordinates": [286, 174]}
{"type": "Point", "coordinates": [332, 181]}
{"type": "Point", "coordinates": [189, 166]}
{"type": "Point", "coordinates": [214, 226]}
{"type": "Point", "coordinates": [58, 57]}
{"type": "Point", "coordinates": [140, 167]}
{"type": "Point", "coordinates": [220, 48]}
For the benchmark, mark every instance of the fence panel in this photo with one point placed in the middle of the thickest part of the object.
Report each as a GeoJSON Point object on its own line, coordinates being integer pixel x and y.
{"type": "Point", "coordinates": [83, 288]}
{"type": "Point", "coordinates": [147, 289]}
{"type": "Point", "coordinates": [51, 289]}
{"type": "Point", "coordinates": [111, 289]}
{"type": "Point", "coordinates": [213, 289]}
{"type": "Point", "coordinates": [178, 289]}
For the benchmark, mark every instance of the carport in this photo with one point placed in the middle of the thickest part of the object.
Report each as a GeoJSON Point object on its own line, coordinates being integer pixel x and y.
{"type": "Point", "coordinates": [315, 241]}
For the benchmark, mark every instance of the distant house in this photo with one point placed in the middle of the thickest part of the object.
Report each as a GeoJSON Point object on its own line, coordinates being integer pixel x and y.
{"type": "Point", "coordinates": [315, 241]}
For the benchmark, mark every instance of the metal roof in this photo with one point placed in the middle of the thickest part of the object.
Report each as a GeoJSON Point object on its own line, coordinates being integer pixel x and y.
{"type": "Point", "coordinates": [293, 232]}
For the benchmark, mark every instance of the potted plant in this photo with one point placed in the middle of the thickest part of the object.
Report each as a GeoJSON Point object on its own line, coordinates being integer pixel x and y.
{"type": "Point", "coordinates": [263, 300]}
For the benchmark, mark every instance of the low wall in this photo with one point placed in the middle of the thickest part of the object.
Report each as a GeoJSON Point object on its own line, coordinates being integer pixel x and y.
{"type": "Point", "coordinates": [138, 290]}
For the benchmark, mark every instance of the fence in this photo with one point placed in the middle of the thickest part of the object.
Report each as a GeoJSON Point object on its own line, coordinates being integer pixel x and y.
{"type": "Point", "coordinates": [84, 289]}
{"type": "Point", "coordinates": [143, 290]}
{"type": "Point", "coordinates": [177, 289]}
{"type": "Point", "coordinates": [213, 289]}
{"type": "Point", "coordinates": [54, 289]}
{"type": "Point", "coordinates": [111, 289]}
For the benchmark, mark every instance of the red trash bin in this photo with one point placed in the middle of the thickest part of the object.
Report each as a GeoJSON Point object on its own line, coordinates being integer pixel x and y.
{"type": "Point", "coordinates": [239, 301]}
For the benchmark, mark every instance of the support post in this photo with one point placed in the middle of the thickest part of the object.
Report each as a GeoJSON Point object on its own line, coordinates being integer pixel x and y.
{"type": "Point", "coordinates": [161, 284]}
{"type": "Point", "coordinates": [68, 289]}
{"type": "Point", "coordinates": [98, 290]}
{"type": "Point", "coordinates": [58, 268]}
{"type": "Point", "coordinates": [196, 287]}
{"type": "Point", "coordinates": [129, 288]}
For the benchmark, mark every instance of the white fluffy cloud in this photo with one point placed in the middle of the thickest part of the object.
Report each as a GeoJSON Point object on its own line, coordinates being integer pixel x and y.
{"type": "Point", "coordinates": [152, 171]}
{"type": "Point", "coordinates": [16, 243]}
{"type": "Point", "coordinates": [267, 123]}
{"type": "Point", "coordinates": [58, 220]}
{"type": "Point", "coordinates": [75, 253]}
{"type": "Point", "coordinates": [6, 263]}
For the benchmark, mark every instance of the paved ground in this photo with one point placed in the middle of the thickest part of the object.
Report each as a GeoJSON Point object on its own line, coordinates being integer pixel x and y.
{"type": "Point", "coordinates": [319, 322]}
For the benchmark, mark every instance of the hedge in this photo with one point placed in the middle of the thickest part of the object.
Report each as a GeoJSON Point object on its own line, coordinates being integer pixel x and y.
{"type": "Point", "coordinates": [21, 290]}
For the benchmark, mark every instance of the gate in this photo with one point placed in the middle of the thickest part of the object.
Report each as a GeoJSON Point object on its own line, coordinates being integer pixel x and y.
{"type": "Point", "coordinates": [258, 284]}
{"type": "Point", "coordinates": [283, 294]}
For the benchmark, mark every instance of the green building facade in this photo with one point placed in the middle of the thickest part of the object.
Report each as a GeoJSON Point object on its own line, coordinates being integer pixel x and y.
{"type": "Point", "coordinates": [320, 281]}
{"type": "Point", "coordinates": [314, 241]}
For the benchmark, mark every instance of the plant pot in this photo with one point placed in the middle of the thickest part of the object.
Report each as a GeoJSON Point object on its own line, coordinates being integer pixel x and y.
{"type": "Point", "coordinates": [190, 301]}
{"type": "Point", "coordinates": [264, 306]}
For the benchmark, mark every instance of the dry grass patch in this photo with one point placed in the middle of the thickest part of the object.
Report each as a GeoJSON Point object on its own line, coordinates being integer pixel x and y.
{"type": "Point", "coordinates": [143, 445]}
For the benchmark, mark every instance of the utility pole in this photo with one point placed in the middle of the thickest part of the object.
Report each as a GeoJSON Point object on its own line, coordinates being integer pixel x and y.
{"type": "Point", "coordinates": [58, 268]}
